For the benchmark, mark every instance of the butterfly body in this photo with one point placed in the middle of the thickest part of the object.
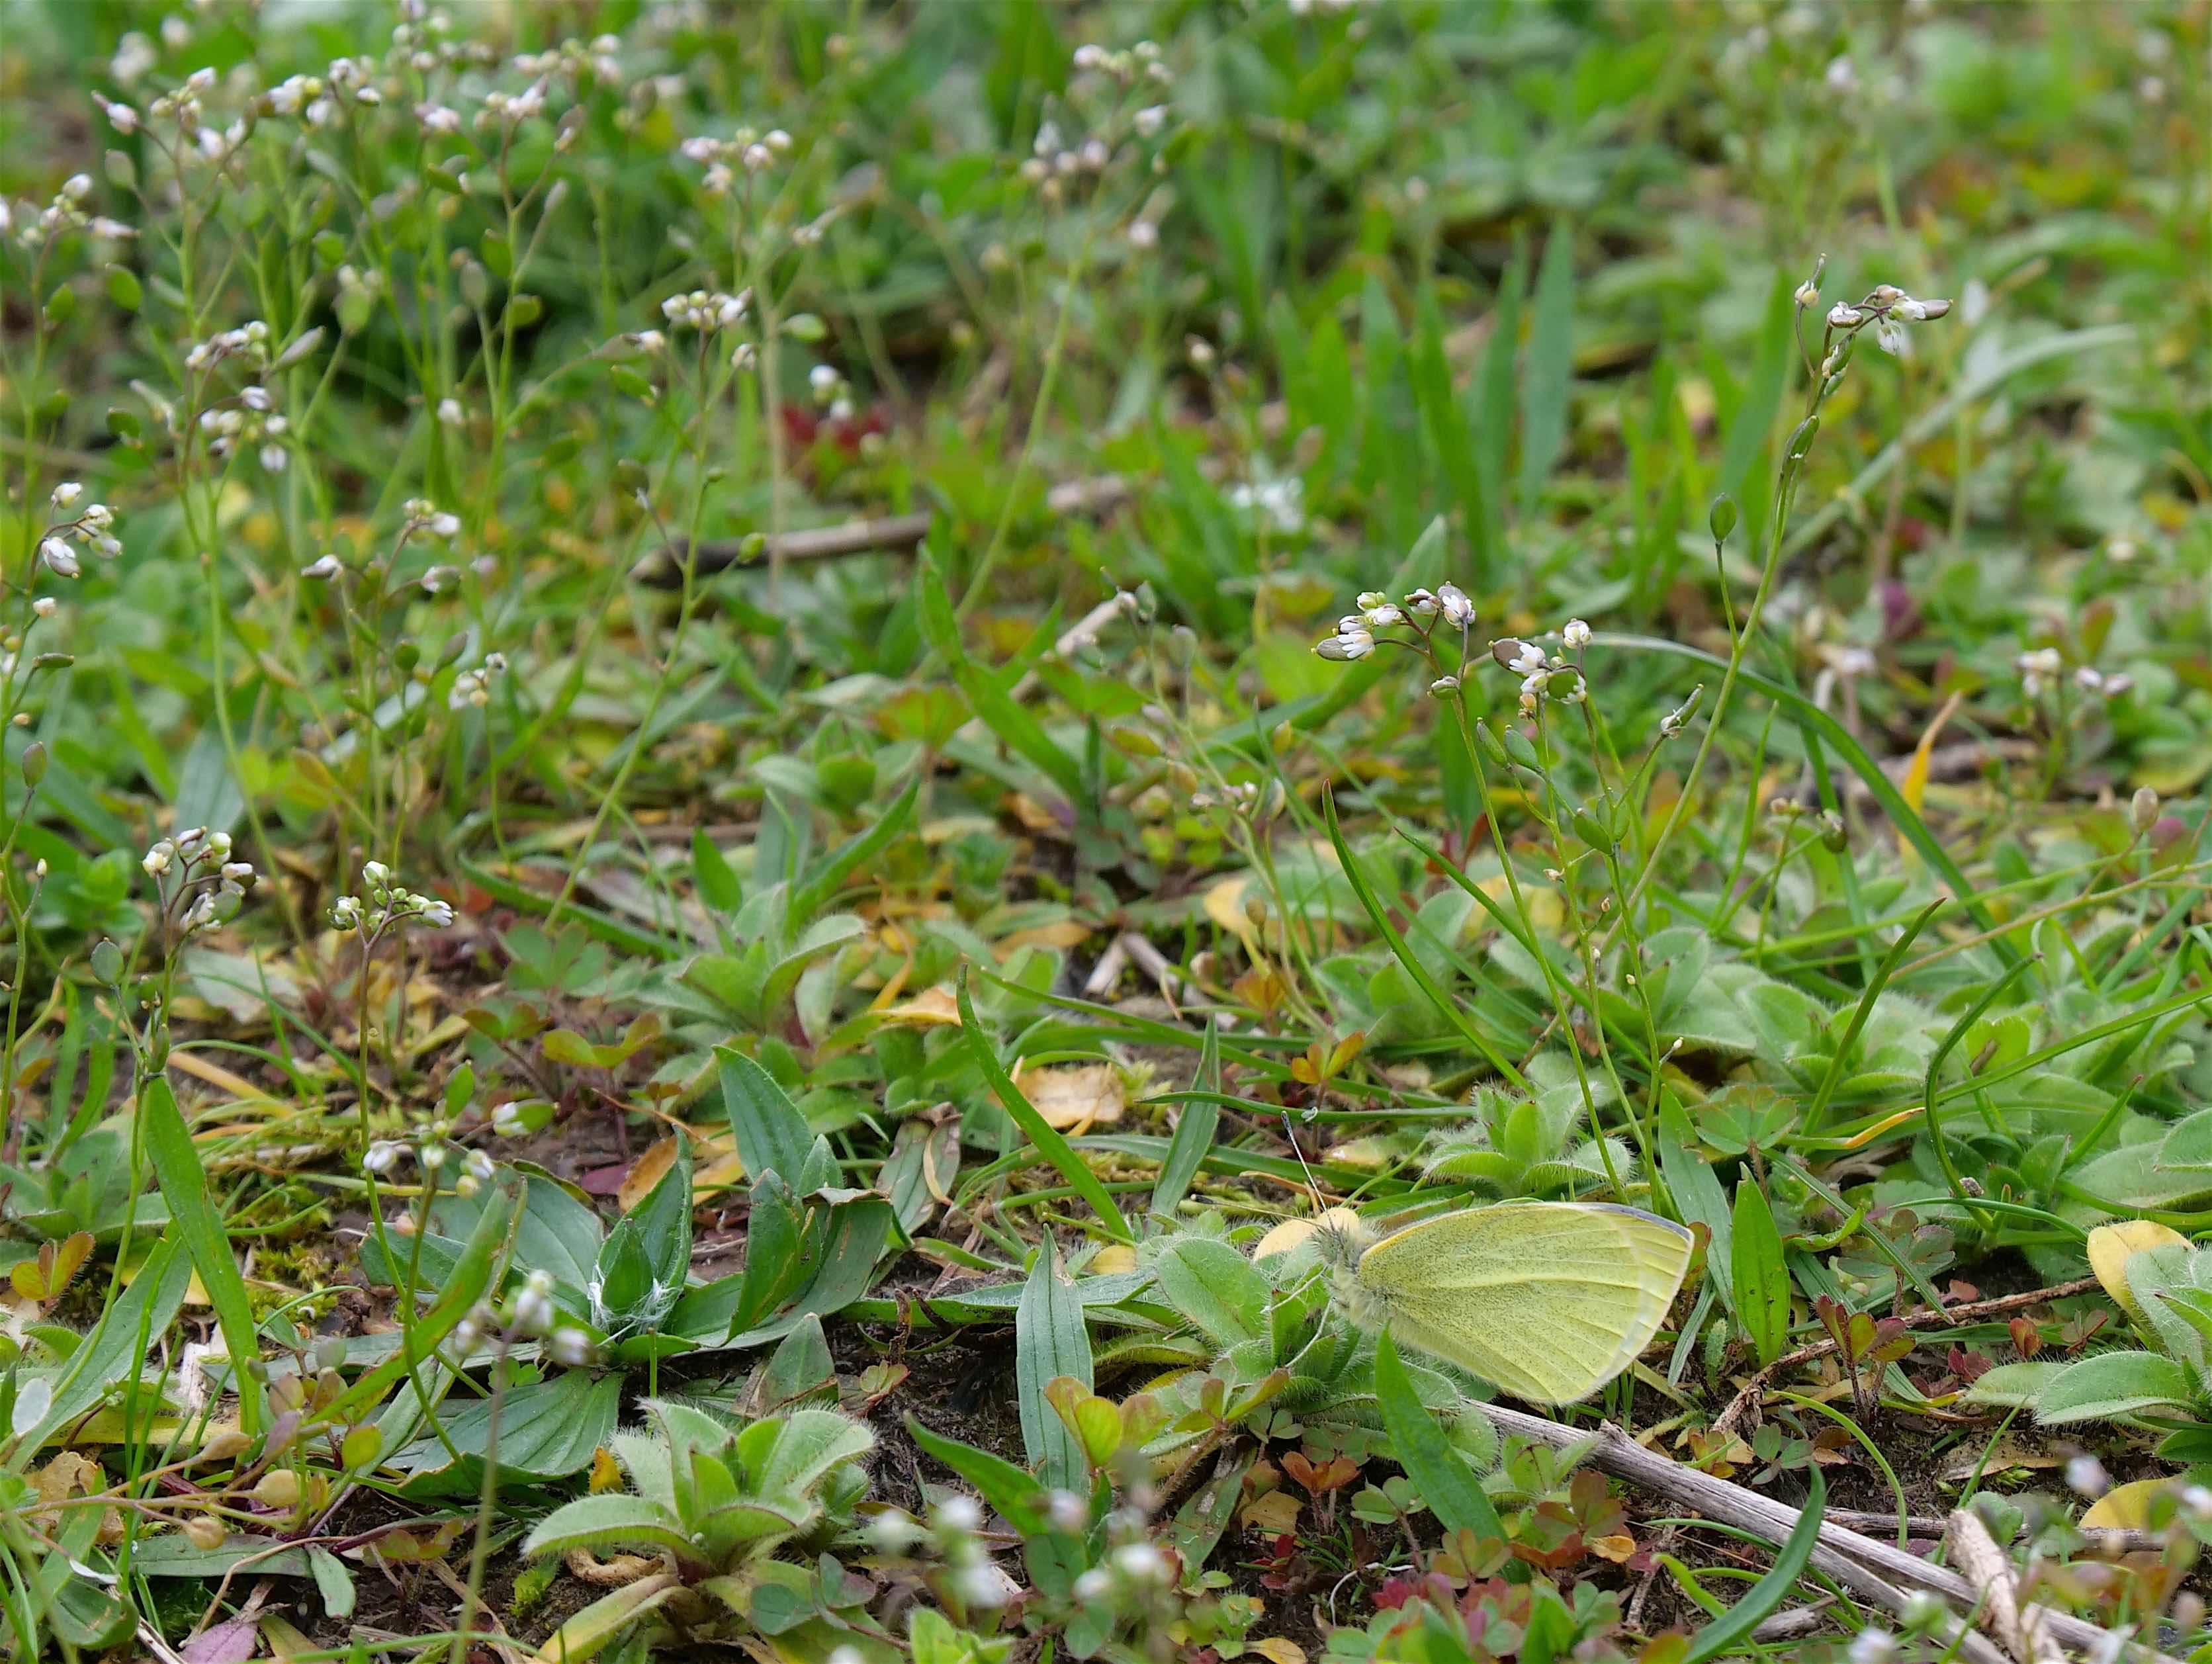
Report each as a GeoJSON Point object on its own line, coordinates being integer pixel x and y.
{"type": "Point", "coordinates": [1548, 1300]}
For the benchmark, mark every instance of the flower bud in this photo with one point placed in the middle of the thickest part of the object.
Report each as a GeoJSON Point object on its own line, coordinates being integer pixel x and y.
{"type": "Point", "coordinates": [2142, 809]}
{"type": "Point", "coordinates": [1720, 519]}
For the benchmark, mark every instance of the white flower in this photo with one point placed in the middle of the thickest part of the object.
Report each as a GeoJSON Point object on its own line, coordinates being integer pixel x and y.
{"type": "Point", "coordinates": [2036, 668]}
{"type": "Point", "coordinates": [1140, 1562]}
{"type": "Point", "coordinates": [44, 606]}
{"type": "Point", "coordinates": [1843, 316]}
{"type": "Point", "coordinates": [1149, 120]}
{"type": "Point", "coordinates": [383, 1157]}
{"type": "Point", "coordinates": [983, 1586]}
{"type": "Point", "coordinates": [570, 1348]}
{"type": "Point", "coordinates": [1379, 613]}
{"type": "Point", "coordinates": [533, 1312]}
{"type": "Point", "coordinates": [438, 915]}
{"type": "Point", "coordinates": [156, 860]}
{"type": "Point", "coordinates": [1458, 611]}
{"type": "Point", "coordinates": [59, 560]}
{"type": "Point", "coordinates": [1841, 76]}
{"type": "Point", "coordinates": [1576, 634]}
{"type": "Point", "coordinates": [1529, 661]}
{"type": "Point", "coordinates": [1093, 1586]}
{"type": "Point", "coordinates": [507, 1120]}
{"type": "Point", "coordinates": [67, 493]}
{"type": "Point", "coordinates": [1808, 296]}
{"type": "Point", "coordinates": [959, 1513]}
{"type": "Point", "coordinates": [1889, 335]}
{"type": "Point", "coordinates": [326, 566]}
{"type": "Point", "coordinates": [2086, 1475]}
{"type": "Point", "coordinates": [1421, 602]}
{"type": "Point", "coordinates": [1068, 1512]}
{"type": "Point", "coordinates": [1354, 642]}
{"type": "Point", "coordinates": [1872, 1646]}
{"type": "Point", "coordinates": [450, 413]}
{"type": "Point", "coordinates": [345, 912]}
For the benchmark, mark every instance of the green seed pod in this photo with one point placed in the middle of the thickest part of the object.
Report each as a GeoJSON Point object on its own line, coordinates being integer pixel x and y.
{"type": "Point", "coordinates": [1720, 519]}
{"type": "Point", "coordinates": [34, 763]}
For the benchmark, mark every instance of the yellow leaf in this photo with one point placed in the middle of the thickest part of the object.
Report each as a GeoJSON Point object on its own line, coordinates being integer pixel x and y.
{"type": "Point", "coordinates": [1544, 907]}
{"type": "Point", "coordinates": [1276, 1512]}
{"type": "Point", "coordinates": [1225, 905]}
{"type": "Point", "coordinates": [1076, 1098]}
{"type": "Point", "coordinates": [1276, 1649]}
{"type": "Point", "coordinates": [283, 1641]}
{"type": "Point", "coordinates": [2125, 1507]}
{"type": "Point", "coordinates": [1113, 1257]}
{"type": "Point", "coordinates": [645, 1173]}
{"type": "Point", "coordinates": [1284, 1238]}
{"type": "Point", "coordinates": [607, 1472]}
{"type": "Point", "coordinates": [928, 1009]}
{"type": "Point", "coordinates": [1066, 933]}
{"type": "Point", "coordinates": [2111, 1248]}
{"type": "Point", "coordinates": [1914, 787]}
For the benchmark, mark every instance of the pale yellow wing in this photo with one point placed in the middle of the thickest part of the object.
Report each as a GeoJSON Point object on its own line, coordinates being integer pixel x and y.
{"type": "Point", "coordinates": [1548, 1300]}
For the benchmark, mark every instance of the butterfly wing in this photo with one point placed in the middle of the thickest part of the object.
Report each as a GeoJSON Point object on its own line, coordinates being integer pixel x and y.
{"type": "Point", "coordinates": [1545, 1300]}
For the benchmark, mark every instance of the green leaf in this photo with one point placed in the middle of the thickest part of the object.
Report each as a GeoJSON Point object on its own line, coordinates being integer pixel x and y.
{"type": "Point", "coordinates": [1223, 1295]}
{"type": "Point", "coordinates": [995, 707]}
{"type": "Point", "coordinates": [1041, 1133]}
{"type": "Point", "coordinates": [2113, 1384]}
{"type": "Point", "coordinates": [547, 1430]}
{"type": "Point", "coordinates": [613, 1521]}
{"type": "Point", "coordinates": [771, 1134]}
{"type": "Point", "coordinates": [819, 885]}
{"type": "Point", "coordinates": [1193, 1132]}
{"type": "Point", "coordinates": [1437, 1470]}
{"type": "Point", "coordinates": [200, 1228]}
{"type": "Point", "coordinates": [126, 1334]}
{"type": "Point", "coordinates": [1050, 1340]}
{"type": "Point", "coordinates": [333, 1581]}
{"type": "Point", "coordinates": [1699, 1197]}
{"type": "Point", "coordinates": [1760, 1276]}
{"type": "Point", "coordinates": [1550, 378]}
{"type": "Point", "coordinates": [1732, 1629]}
{"type": "Point", "coordinates": [1005, 1487]}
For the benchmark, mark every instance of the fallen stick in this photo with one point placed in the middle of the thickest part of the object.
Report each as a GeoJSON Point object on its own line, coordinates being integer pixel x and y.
{"type": "Point", "coordinates": [1864, 1565]}
{"type": "Point", "coordinates": [895, 534]}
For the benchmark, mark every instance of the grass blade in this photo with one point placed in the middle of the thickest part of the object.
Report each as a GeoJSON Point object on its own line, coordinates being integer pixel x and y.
{"type": "Point", "coordinates": [1439, 1471]}
{"type": "Point", "coordinates": [1194, 1133]}
{"type": "Point", "coordinates": [1544, 394]}
{"type": "Point", "coordinates": [1732, 1631]}
{"type": "Point", "coordinates": [200, 1228]}
{"type": "Point", "coordinates": [1405, 956]}
{"type": "Point", "coordinates": [1040, 1132]}
{"type": "Point", "coordinates": [1050, 1341]}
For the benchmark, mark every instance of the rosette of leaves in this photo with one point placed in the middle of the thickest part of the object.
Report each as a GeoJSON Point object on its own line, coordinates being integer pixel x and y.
{"type": "Point", "coordinates": [715, 1505]}
{"type": "Point", "coordinates": [2164, 1285]}
{"type": "Point", "coordinates": [1525, 1144]}
{"type": "Point", "coordinates": [1265, 1351]}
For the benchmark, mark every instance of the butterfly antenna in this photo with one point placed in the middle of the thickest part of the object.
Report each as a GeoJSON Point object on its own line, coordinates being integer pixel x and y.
{"type": "Point", "coordinates": [1313, 1185]}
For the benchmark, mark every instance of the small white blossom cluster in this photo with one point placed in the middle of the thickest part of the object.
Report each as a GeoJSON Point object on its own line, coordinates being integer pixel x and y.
{"type": "Point", "coordinates": [746, 150]}
{"type": "Point", "coordinates": [707, 311]}
{"type": "Point", "coordinates": [1422, 611]}
{"type": "Point", "coordinates": [472, 688]}
{"type": "Point", "coordinates": [204, 871]}
{"type": "Point", "coordinates": [66, 212]}
{"type": "Point", "coordinates": [1886, 306]}
{"type": "Point", "coordinates": [423, 515]}
{"type": "Point", "coordinates": [2044, 667]}
{"type": "Point", "coordinates": [388, 904]}
{"type": "Point", "coordinates": [1279, 503]}
{"type": "Point", "coordinates": [249, 423]}
{"type": "Point", "coordinates": [1140, 62]}
{"type": "Point", "coordinates": [92, 526]}
{"type": "Point", "coordinates": [249, 341]}
{"type": "Point", "coordinates": [530, 1314]}
{"type": "Point", "coordinates": [1542, 678]}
